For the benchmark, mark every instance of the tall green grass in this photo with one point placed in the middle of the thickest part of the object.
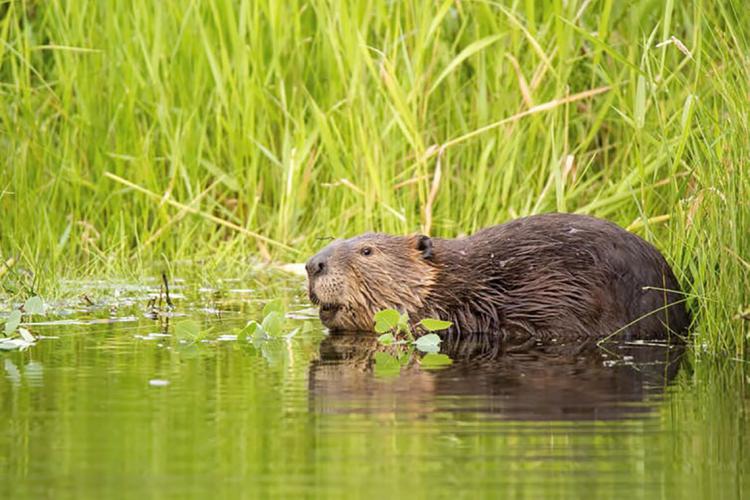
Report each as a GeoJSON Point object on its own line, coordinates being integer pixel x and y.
{"type": "Point", "coordinates": [299, 120]}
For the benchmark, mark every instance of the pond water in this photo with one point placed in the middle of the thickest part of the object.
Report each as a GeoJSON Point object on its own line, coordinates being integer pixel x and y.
{"type": "Point", "coordinates": [112, 402]}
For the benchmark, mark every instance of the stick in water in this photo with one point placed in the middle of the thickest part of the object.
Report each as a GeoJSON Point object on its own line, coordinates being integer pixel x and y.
{"type": "Point", "coordinates": [166, 290]}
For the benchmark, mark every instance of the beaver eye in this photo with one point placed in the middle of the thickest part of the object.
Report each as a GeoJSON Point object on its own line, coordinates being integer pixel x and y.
{"type": "Point", "coordinates": [366, 251]}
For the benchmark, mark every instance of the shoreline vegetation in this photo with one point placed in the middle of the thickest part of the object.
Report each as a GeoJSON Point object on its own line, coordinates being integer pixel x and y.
{"type": "Point", "coordinates": [234, 130]}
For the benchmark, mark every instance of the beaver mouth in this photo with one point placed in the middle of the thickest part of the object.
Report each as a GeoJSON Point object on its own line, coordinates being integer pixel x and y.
{"type": "Point", "coordinates": [329, 308]}
{"type": "Point", "coordinates": [328, 311]}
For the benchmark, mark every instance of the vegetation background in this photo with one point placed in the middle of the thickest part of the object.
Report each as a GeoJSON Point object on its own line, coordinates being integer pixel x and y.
{"type": "Point", "coordinates": [225, 129]}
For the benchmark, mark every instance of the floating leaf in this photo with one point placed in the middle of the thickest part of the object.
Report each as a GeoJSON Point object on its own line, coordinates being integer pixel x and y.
{"type": "Point", "coordinates": [434, 325]}
{"type": "Point", "coordinates": [273, 306]}
{"type": "Point", "coordinates": [26, 335]}
{"type": "Point", "coordinates": [14, 319]}
{"type": "Point", "coordinates": [387, 339]}
{"type": "Point", "coordinates": [428, 343]}
{"type": "Point", "coordinates": [14, 344]}
{"type": "Point", "coordinates": [259, 336]}
{"type": "Point", "coordinates": [188, 328]}
{"type": "Point", "coordinates": [273, 323]}
{"type": "Point", "coordinates": [434, 360]}
{"type": "Point", "coordinates": [386, 365]}
{"type": "Point", "coordinates": [386, 320]}
{"type": "Point", "coordinates": [34, 306]}
{"type": "Point", "coordinates": [248, 330]}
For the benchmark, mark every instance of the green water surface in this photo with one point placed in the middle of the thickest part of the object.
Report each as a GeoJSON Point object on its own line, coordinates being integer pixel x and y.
{"type": "Point", "coordinates": [114, 405]}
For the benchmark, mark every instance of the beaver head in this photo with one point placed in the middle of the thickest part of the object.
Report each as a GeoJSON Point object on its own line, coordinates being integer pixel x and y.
{"type": "Point", "coordinates": [353, 279]}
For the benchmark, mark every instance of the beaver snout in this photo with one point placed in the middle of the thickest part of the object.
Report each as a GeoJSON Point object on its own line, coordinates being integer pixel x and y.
{"type": "Point", "coordinates": [324, 287]}
{"type": "Point", "coordinates": [318, 264]}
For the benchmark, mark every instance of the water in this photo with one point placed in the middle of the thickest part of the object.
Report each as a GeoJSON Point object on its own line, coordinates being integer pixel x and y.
{"type": "Point", "coordinates": [105, 409]}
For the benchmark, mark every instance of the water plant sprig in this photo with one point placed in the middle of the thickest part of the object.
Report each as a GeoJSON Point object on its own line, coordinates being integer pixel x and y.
{"type": "Point", "coordinates": [17, 337]}
{"type": "Point", "coordinates": [395, 330]}
{"type": "Point", "coordinates": [270, 327]}
{"type": "Point", "coordinates": [391, 324]}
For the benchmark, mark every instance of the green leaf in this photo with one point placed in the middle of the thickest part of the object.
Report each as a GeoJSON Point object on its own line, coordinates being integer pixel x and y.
{"type": "Point", "coordinates": [403, 323]}
{"type": "Point", "coordinates": [13, 344]}
{"type": "Point", "coordinates": [259, 336]}
{"type": "Point", "coordinates": [386, 320]}
{"type": "Point", "coordinates": [434, 325]}
{"type": "Point", "coordinates": [34, 306]}
{"type": "Point", "coordinates": [14, 319]}
{"type": "Point", "coordinates": [469, 51]}
{"type": "Point", "coordinates": [387, 339]}
{"type": "Point", "coordinates": [640, 102]}
{"type": "Point", "coordinates": [26, 335]}
{"type": "Point", "coordinates": [187, 329]}
{"type": "Point", "coordinates": [428, 343]}
{"type": "Point", "coordinates": [227, 179]}
{"type": "Point", "coordinates": [405, 357]}
{"type": "Point", "coordinates": [273, 323]}
{"type": "Point", "coordinates": [434, 360]}
{"type": "Point", "coordinates": [386, 365]}
{"type": "Point", "coordinates": [273, 306]}
{"type": "Point", "coordinates": [248, 330]}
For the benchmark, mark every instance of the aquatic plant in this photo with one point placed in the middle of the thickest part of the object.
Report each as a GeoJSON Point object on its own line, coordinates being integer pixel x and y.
{"type": "Point", "coordinates": [390, 321]}
{"type": "Point", "coordinates": [395, 330]}
{"type": "Point", "coordinates": [14, 335]}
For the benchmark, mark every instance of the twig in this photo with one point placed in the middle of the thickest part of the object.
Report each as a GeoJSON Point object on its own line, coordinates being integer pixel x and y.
{"type": "Point", "coordinates": [166, 290]}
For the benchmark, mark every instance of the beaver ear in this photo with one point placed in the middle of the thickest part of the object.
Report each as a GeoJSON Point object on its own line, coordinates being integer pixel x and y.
{"type": "Point", "coordinates": [424, 245]}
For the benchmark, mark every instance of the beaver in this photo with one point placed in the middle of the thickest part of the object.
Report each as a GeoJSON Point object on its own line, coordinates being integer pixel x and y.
{"type": "Point", "coordinates": [538, 277]}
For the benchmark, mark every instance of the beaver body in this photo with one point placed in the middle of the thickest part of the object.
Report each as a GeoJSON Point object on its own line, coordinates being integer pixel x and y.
{"type": "Point", "coordinates": [539, 277]}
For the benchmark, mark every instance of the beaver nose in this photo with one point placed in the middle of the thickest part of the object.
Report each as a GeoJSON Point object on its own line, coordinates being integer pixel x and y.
{"type": "Point", "coordinates": [316, 265]}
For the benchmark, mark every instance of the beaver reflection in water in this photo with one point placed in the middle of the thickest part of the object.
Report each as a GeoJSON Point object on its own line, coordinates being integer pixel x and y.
{"type": "Point", "coordinates": [549, 381]}
{"type": "Point", "coordinates": [543, 276]}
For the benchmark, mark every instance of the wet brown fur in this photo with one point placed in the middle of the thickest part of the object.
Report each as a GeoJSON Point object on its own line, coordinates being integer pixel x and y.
{"type": "Point", "coordinates": [544, 276]}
